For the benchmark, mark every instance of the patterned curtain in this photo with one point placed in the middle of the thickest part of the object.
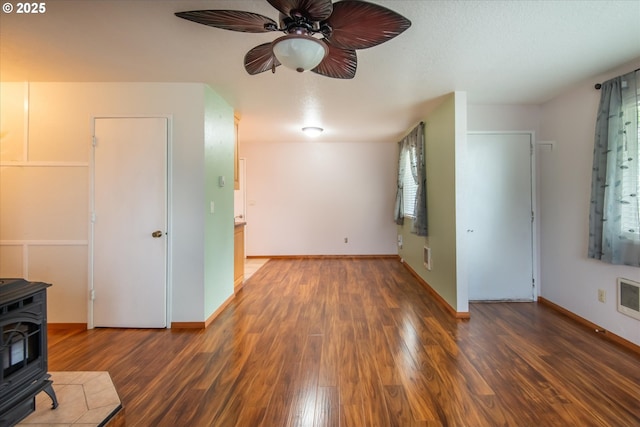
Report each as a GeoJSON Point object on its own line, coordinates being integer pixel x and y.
{"type": "Point", "coordinates": [399, 210]}
{"type": "Point", "coordinates": [418, 170]}
{"type": "Point", "coordinates": [614, 220]}
{"type": "Point", "coordinates": [412, 145]}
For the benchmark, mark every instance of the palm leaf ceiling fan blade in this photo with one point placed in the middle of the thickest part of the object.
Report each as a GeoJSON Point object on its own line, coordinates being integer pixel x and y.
{"type": "Point", "coordinates": [234, 20]}
{"type": "Point", "coordinates": [359, 25]}
{"type": "Point", "coordinates": [314, 10]}
{"type": "Point", "coordinates": [346, 25]}
{"type": "Point", "coordinates": [260, 59]}
{"type": "Point", "coordinates": [338, 64]}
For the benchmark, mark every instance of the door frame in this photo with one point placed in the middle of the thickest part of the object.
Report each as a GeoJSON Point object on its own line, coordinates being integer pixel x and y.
{"type": "Point", "coordinates": [535, 268]}
{"type": "Point", "coordinates": [168, 201]}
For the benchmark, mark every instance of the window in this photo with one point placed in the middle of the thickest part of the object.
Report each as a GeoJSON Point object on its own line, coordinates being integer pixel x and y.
{"type": "Point", "coordinates": [411, 195]}
{"type": "Point", "coordinates": [410, 188]}
{"type": "Point", "coordinates": [630, 210]}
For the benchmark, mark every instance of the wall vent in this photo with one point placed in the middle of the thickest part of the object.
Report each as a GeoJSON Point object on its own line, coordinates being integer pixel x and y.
{"type": "Point", "coordinates": [426, 258]}
{"type": "Point", "coordinates": [629, 297]}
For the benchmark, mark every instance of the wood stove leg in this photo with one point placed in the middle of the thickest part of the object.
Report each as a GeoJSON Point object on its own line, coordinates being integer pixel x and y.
{"type": "Point", "coordinates": [52, 394]}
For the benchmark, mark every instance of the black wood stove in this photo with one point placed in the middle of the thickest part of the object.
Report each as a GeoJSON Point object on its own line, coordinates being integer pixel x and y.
{"type": "Point", "coordinates": [23, 348]}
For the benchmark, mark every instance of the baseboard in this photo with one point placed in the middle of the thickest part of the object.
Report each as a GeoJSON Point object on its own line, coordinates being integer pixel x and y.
{"type": "Point", "coordinates": [206, 323]}
{"type": "Point", "coordinates": [590, 325]}
{"type": "Point", "coordinates": [188, 325]}
{"type": "Point", "coordinates": [463, 315]}
{"type": "Point", "coordinates": [381, 256]}
{"type": "Point", "coordinates": [66, 326]}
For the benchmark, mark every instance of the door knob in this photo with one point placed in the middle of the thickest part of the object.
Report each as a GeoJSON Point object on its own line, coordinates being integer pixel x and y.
{"type": "Point", "coordinates": [156, 234]}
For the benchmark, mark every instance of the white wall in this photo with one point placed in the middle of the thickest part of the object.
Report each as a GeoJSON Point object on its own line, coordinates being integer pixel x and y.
{"type": "Point", "coordinates": [516, 118]}
{"type": "Point", "coordinates": [484, 118]}
{"type": "Point", "coordinates": [568, 277]}
{"type": "Point", "coordinates": [305, 198]}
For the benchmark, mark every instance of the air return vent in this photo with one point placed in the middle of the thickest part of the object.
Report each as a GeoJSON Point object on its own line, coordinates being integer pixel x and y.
{"type": "Point", "coordinates": [629, 297]}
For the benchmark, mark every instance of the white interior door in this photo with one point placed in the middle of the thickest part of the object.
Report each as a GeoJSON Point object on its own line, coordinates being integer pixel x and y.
{"type": "Point", "coordinates": [130, 222]}
{"type": "Point", "coordinates": [500, 233]}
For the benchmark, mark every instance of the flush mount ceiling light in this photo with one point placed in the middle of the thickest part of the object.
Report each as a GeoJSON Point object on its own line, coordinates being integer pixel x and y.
{"type": "Point", "coordinates": [341, 28]}
{"type": "Point", "coordinates": [312, 131]}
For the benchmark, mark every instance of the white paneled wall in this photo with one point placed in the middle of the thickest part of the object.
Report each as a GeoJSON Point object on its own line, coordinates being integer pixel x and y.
{"type": "Point", "coordinates": [44, 201]}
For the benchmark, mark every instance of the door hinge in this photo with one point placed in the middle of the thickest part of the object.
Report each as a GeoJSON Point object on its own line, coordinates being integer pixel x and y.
{"type": "Point", "coordinates": [94, 141]}
{"type": "Point", "coordinates": [92, 294]}
{"type": "Point", "coordinates": [532, 217]}
{"type": "Point", "coordinates": [93, 217]}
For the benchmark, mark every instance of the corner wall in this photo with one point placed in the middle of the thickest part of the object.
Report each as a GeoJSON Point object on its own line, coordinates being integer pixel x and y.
{"type": "Point", "coordinates": [445, 140]}
{"type": "Point", "coordinates": [218, 162]}
{"type": "Point", "coordinates": [569, 278]}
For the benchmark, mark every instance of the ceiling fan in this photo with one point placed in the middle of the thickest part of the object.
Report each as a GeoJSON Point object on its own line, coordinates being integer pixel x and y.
{"type": "Point", "coordinates": [320, 36]}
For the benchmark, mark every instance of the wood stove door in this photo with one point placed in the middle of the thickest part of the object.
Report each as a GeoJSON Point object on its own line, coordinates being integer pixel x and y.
{"type": "Point", "coordinates": [130, 222]}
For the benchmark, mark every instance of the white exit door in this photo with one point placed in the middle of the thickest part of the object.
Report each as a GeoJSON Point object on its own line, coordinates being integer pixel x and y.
{"type": "Point", "coordinates": [500, 232]}
{"type": "Point", "coordinates": [130, 222]}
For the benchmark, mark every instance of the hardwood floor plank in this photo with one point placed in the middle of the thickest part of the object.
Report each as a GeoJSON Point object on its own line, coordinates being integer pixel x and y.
{"type": "Point", "coordinates": [250, 416]}
{"type": "Point", "coordinates": [303, 405]}
{"type": "Point", "coordinates": [327, 412]}
{"type": "Point", "coordinates": [359, 342]}
{"type": "Point", "coordinates": [349, 370]}
{"type": "Point", "coordinates": [352, 416]}
{"type": "Point", "coordinates": [416, 381]}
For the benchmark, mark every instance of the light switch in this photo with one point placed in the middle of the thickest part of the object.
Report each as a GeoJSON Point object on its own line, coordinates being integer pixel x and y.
{"type": "Point", "coordinates": [211, 207]}
{"type": "Point", "coordinates": [221, 181]}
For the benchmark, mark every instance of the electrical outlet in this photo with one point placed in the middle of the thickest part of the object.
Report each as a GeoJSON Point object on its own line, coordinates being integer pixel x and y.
{"type": "Point", "coordinates": [602, 295]}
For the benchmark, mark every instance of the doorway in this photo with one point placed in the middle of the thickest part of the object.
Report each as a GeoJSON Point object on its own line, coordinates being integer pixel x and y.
{"type": "Point", "coordinates": [500, 232]}
{"type": "Point", "coordinates": [129, 223]}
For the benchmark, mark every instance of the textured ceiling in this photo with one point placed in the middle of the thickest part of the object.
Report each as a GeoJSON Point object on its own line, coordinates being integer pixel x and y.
{"type": "Point", "coordinates": [507, 52]}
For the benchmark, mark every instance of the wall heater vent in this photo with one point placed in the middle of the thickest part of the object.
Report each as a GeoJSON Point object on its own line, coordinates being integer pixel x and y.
{"type": "Point", "coordinates": [629, 297]}
{"type": "Point", "coordinates": [426, 258]}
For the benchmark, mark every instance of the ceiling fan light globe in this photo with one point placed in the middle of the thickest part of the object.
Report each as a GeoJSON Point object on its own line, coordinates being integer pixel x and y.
{"type": "Point", "coordinates": [299, 52]}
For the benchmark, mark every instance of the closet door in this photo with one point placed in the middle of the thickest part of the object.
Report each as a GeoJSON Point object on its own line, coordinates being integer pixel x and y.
{"type": "Point", "coordinates": [129, 262]}
{"type": "Point", "coordinates": [500, 233]}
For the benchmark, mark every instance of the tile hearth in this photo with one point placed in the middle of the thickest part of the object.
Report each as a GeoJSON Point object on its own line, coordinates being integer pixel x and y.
{"type": "Point", "coordinates": [86, 399]}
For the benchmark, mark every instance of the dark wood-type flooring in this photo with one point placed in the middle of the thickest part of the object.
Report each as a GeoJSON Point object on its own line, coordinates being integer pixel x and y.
{"type": "Point", "coordinates": [359, 342]}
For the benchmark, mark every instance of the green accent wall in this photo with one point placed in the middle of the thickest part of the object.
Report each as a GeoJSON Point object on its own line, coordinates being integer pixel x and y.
{"type": "Point", "coordinates": [218, 162]}
{"type": "Point", "coordinates": [440, 156]}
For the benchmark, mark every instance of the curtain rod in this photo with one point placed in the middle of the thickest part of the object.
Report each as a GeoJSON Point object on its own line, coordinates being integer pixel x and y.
{"type": "Point", "coordinates": [599, 85]}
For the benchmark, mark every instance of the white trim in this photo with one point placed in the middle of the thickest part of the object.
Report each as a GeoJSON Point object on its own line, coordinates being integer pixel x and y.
{"type": "Point", "coordinates": [44, 242]}
{"type": "Point", "coordinates": [46, 164]}
{"type": "Point", "coordinates": [169, 212]}
{"type": "Point", "coordinates": [27, 111]}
